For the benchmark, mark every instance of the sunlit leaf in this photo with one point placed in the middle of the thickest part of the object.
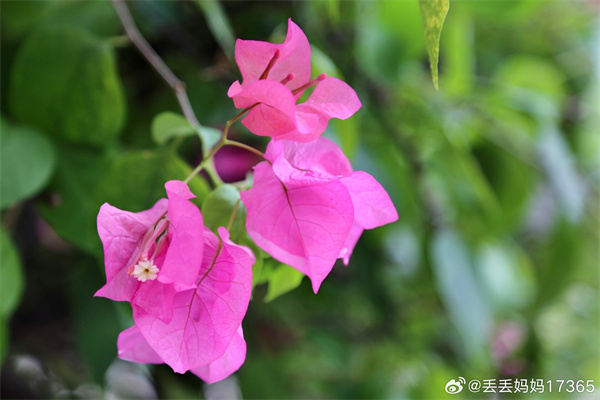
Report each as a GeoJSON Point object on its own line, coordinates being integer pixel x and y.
{"type": "Point", "coordinates": [282, 279]}
{"type": "Point", "coordinates": [433, 14]}
{"type": "Point", "coordinates": [27, 162]}
{"type": "Point", "coordinates": [168, 125]}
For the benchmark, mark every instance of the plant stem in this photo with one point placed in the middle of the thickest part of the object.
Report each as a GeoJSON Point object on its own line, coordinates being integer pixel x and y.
{"type": "Point", "coordinates": [244, 146]}
{"type": "Point", "coordinates": [154, 59]}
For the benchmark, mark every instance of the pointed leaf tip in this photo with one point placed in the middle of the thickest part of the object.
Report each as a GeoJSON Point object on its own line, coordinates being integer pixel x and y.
{"type": "Point", "coordinates": [433, 14]}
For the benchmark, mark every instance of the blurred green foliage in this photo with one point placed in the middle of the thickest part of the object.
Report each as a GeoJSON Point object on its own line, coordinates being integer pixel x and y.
{"type": "Point", "coordinates": [491, 271]}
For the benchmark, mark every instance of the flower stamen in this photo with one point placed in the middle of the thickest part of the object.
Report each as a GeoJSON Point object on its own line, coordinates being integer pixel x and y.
{"type": "Point", "coordinates": [270, 65]}
{"type": "Point", "coordinates": [310, 83]}
{"type": "Point", "coordinates": [288, 78]}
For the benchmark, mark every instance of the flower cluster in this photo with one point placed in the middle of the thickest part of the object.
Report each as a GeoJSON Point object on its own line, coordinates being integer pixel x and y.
{"type": "Point", "coordinates": [189, 289]}
{"type": "Point", "coordinates": [307, 207]}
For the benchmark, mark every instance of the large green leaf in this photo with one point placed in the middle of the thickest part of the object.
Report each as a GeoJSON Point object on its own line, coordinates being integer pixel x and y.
{"type": "Point", "coordinates": [26, 163]}
{"type": "Point", "coordinates": [73, 209]}
{"type": "Point", "coordinates": [133, 181]}
{"type": "Point", "coordinates": [65, 81]}
{"type": "Point", "coordinates": [136, 180]}
{"type": "Point", "coordinates": [433, 14]}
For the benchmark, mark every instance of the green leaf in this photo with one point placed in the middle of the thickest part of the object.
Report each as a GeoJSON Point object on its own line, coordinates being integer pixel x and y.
{"type": "Point", "coordinates": [65, 81]}
{"type": "Point", "coordinates": [218, 208]}
{"type": "Point", "coordinates": [27, 161]}
{"type": "Point", "coordinates": [136, 180]}
{"type": "Point", "coordinates": [11, 271]}
{"type": "Point", "coordinates": [168, 125]}
{"type": "Point", "coordinates": [282, 279]}
{"type": "Point", "coordinates": [132, 181]}
{"type": "Point", "coordinates": [460, 292]}
{"type": "Point", "coordinates": [209, 136]}
{"type": "Point", "coordinates": [72, 212]}
{"type": "Point", "coordinates": [433, 14]}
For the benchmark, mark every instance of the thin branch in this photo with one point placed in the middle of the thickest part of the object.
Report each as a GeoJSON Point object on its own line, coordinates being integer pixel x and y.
{"type": "Point", "coordinates": [154, 59]}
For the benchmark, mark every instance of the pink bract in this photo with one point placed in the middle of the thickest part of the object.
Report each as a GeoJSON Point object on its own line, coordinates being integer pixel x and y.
{"type": "Point", "coordinates": [307, 207]}
{"type": "Point", "coordinates": [167, 236]}
{"type": "Point", "coordinates": [274, 76]}
{"type": "Point", "coordinates": [205, 319]}
{"type": "Point", "coordinates": [134, 347]}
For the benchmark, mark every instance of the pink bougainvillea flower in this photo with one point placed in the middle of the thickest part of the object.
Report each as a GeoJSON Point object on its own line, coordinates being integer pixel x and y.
{"type": "Point", "coordinates": [151, 255]}
{"type": "Point", "coordinates": [274, 76]}
{"type": "Point", "coordinates": [203, 334]}
{"type": "Point", "coordinates": [307, 206]}
{"type": "Point", "coordinates": [134, 347]}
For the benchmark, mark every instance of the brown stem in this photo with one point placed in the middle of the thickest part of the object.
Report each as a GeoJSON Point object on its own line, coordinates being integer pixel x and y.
{"type": "Point", "coordinates": [154, 59]}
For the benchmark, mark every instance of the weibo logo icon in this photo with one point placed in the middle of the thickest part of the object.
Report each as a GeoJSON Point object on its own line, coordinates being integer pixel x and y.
{"type": "Point", "coordinates": [453, 386]}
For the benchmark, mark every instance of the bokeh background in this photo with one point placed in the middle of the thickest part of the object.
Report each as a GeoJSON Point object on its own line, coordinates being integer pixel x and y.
{"type": "Point", "coordinates": [491, 272]}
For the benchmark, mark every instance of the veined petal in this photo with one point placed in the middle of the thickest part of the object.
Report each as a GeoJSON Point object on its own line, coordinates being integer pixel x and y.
{"type": "Point", "coordinates": [253, 56]}
{"type": "Point", "coordinates": [333, 98]}
{"type": "Point", "coordinates": [274, 108]}
{"type": "Point", "coordinates": [304, 227]}
{"type": "Point", "coordinates": [231, 361]}
{"type": "Point", "coordinates": [301, 164]}
{"type": "Point", "coordinates": [372, 205]}
{"type": "Point", "coordinates": [205, 319]}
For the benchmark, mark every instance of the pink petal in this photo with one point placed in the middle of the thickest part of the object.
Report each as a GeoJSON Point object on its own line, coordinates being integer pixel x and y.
{"type": "Point", "coordinates": [372, 205]}
{"type": "Point", "coordinates": [333, 98]}
{"type": "Point", "coordinates": [184, 254]}
{"type": "Point", "coordinates": [156, 299]}
{"type": "Point", "coordinates": [121, 233]}
{"type": "Point", "coordinates": [205, 319]}
{"type": "Point", "coordinates": [304, 227]}
{"type": "Point", "coordinates": [317, 162]}
{"type": "Point", "coordinates": [231, 361]}
{"type": "Point", "coordinates": [253, 57]}
{"type": "Point", "coordinates": [133, 347]}
{"type": "Point", "coordinates": [350, 243]}
{"type": "Point", "coordinates": [274, 108]}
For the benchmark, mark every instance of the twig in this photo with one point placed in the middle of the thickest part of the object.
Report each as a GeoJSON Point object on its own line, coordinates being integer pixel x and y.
{"type": "Point", "coordinates": [154, 59]}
